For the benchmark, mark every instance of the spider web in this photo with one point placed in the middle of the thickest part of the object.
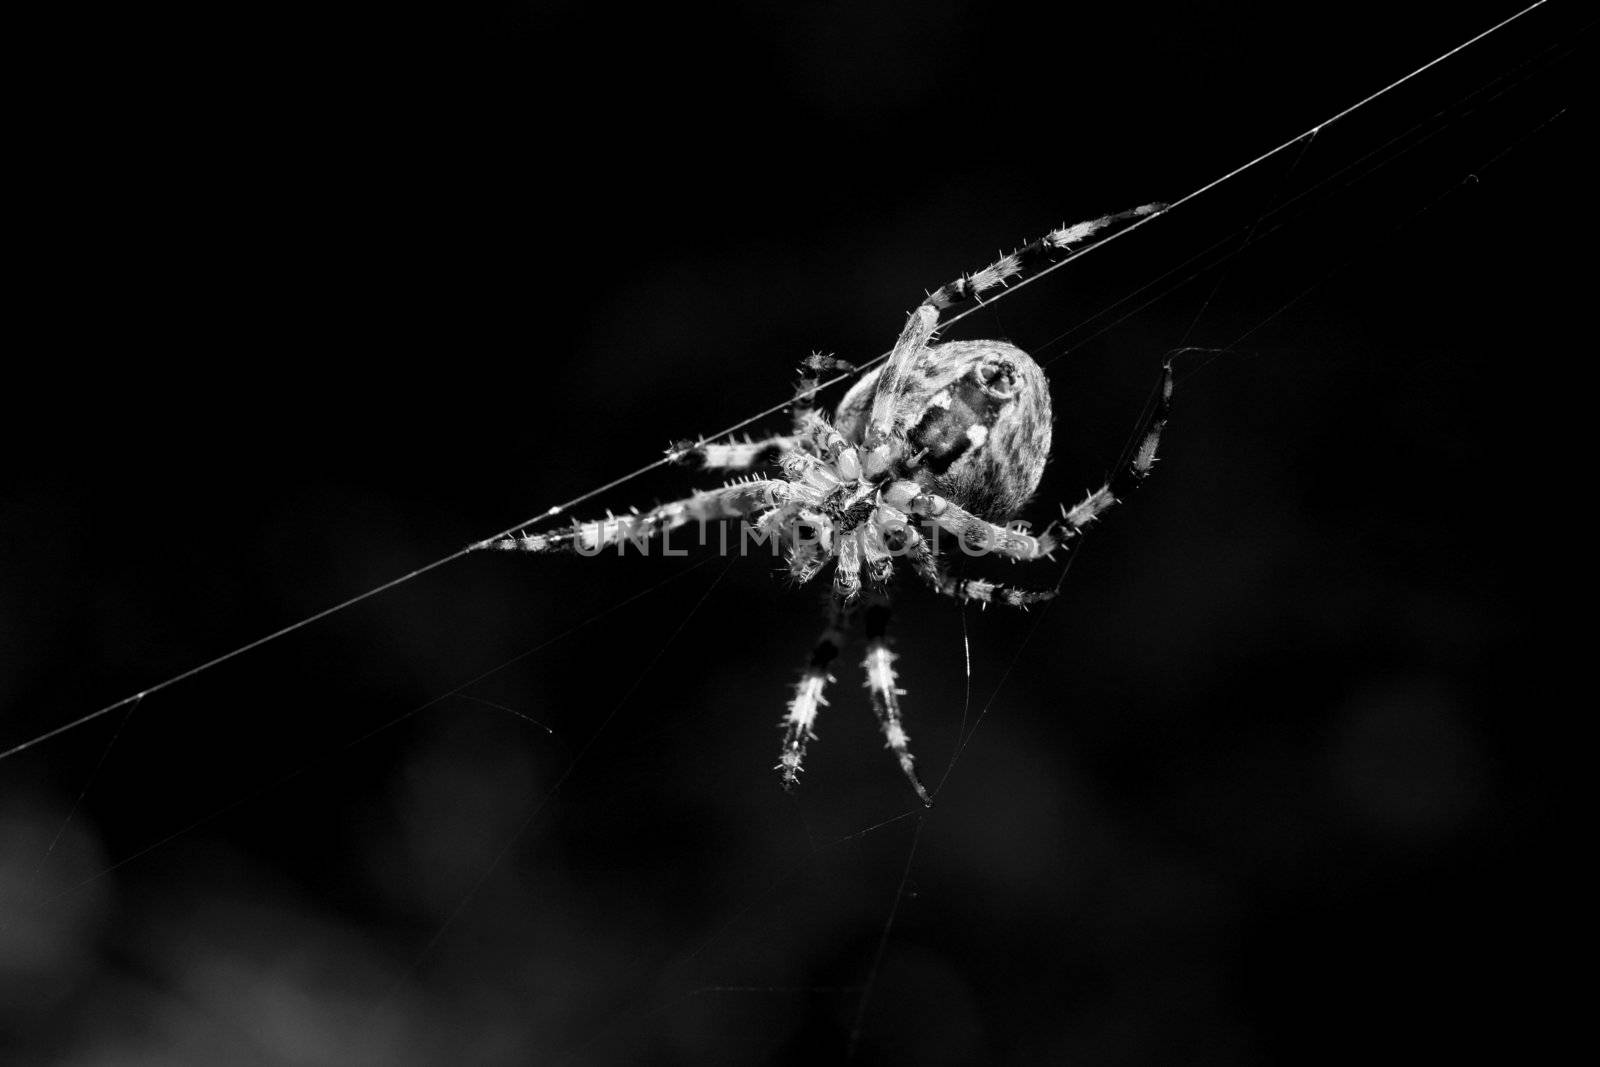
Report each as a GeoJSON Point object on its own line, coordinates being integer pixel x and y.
{"type": "Point", "coordinates": [805, 928]}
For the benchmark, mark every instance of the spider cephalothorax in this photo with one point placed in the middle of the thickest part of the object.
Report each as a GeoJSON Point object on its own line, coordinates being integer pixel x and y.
{"type": "Point", "coordinates": [940, 439]}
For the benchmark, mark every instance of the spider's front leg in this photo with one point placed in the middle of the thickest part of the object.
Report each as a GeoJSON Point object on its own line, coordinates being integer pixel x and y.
{"type": "Point", "coordinates": [1034, 257]}
{"type": "Point", "coordinates": [589, 538]}
{"type": "Point", "coordinates": [885, 435]}
{"type": "Point", "coordinates": [811, 430]}
{"type": "Point", "coordinates": [730, 455]}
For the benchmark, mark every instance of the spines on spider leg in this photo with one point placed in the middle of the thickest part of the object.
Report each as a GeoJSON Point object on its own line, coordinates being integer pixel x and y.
{"type": "Point", "coordinates": [875, 550]}
{"type": "Point", "coordinates": [589, 537]}
{"type": "Point", "coordinates": [1144, 457]}
{"type": "Point", "coordinates": [847, 568]}
{"type": "Point", "coordinates": [812, 474]}
{"type": "Point", "coordinates": [799, 723]}
{"type": "Point", "coordinates": [800, 717]}
{"type": "Point", "coordinates": [526, 542]}
{"type": "Point", "coordinates": [881, 679]}
{"type": "Point", "coordinates": [886, 694]}
{"type": "Point", "coordinates": [1090, 508]}
{"type": "Point", "coordinates": [811, 372]}
{"type": "Point", "coordinates": [980, 590]}
{"type": "Point", "coordinates": [1032, 258]}
{"type": "Point", "coordinates": [974, 532]}
{"type": "Point", "coordinates": [596, 535]}
{"type": "Point", "coordinates": [986, 592]}
{"type": "Point", "coordinates": [774, 521]}
{"type": "Point", "coordinates": [807, 554]}
{"type": "Point", "coordinates": [1131, 475]}
{"type": "Point", "coordinates": [739, 455]}
{"type": "Point", "coordinates": [805, 560]}
{"type": "Point", "coordinates": [921, 555]}
{"type": "Point", "coordinates": [828, 449]}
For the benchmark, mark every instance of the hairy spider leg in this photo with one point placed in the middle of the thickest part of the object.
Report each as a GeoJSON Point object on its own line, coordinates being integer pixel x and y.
{"type": "Point", "coordinates": [799, 720]}
{"type": "Point", "coordinates": [847, 568]}
{"type": "Point", "coordinates": [875, 549]}
{"type": "Point", "coordinates": [886, 694]}
{"type": "Point", "coordinates": [588, 538]}
{"type": "Point", "coordinates": [739, 455]}
{"type": "Point", "coordinates": [1124, 481]}
{"type": "Point", "coordinates": [1032, 258]}
{"type": "Point", "coordinates": [985, 592]}
{"type": "Point", "coordinates": [978, 533]}
{"type": "Point", "coordinates": [810, 427]}
{"type": "Point", "coordinates": [811, 370]}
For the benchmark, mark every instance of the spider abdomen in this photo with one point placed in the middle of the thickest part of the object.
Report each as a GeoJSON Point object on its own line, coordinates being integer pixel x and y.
{"type": "Point", "coordinates": [977, 422]}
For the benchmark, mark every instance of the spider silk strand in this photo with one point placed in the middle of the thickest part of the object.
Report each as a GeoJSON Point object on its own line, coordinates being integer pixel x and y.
{"type": "Point", "coordinates": [1467, 103]}
{"type": "Point", "coordinates": [457, 692]}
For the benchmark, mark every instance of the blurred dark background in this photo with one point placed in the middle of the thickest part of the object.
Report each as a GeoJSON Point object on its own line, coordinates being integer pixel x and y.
{"type": "Point", "coordinates": [315, 296]}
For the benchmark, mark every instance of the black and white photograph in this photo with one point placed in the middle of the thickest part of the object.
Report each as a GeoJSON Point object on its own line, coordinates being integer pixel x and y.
{"type": "Point", "coordinates": [944, 533]}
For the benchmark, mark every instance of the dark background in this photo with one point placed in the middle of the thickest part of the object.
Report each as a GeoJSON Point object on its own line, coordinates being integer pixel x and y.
{"type": "Point", "coordinates": [316, 296]}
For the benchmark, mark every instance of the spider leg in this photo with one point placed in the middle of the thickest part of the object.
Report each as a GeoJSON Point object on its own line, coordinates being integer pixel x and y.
{"type": "Point", "coordinates": [886, 694]}
{"type": "Point", "coordinates": [847, 568]}
{"type": "Point", "coordinates": [801, 716]}
{"type": "Point", "coordinates": [980, 534]}
{"type": "Point", "coordinates": [1030, 259]}
{"type": "Point", "coordinates": [812, 369]}
{"type": "Point", "coordinates": [589, 538]}
{"type": "Point", "coordinates": [982, 590]}
{"type": "Point", "coordinates": [810, 427]}
{"type": "Point", "coordinates": [876, 551]}
{"type": "Point", "coordinates": [730, 455]}
{"type": "Point", "coordinates": [885, 431]}
{"type": "Point", "coordinates": [986, 592]}
{"type": "Point", "coordinates": [1130, 476]}
{"type": "Point", "coordinates": [828, 443]}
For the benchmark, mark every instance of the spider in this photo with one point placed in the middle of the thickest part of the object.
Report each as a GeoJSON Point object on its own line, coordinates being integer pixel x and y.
{"type": "Point", "coordinates": [946, 437]}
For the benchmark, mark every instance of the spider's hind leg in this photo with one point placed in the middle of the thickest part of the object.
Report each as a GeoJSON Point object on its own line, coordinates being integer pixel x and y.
{"type": "Point", "coordinates": [799, 720]}
{"type": "Point", "coordinates": [886, 694]}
